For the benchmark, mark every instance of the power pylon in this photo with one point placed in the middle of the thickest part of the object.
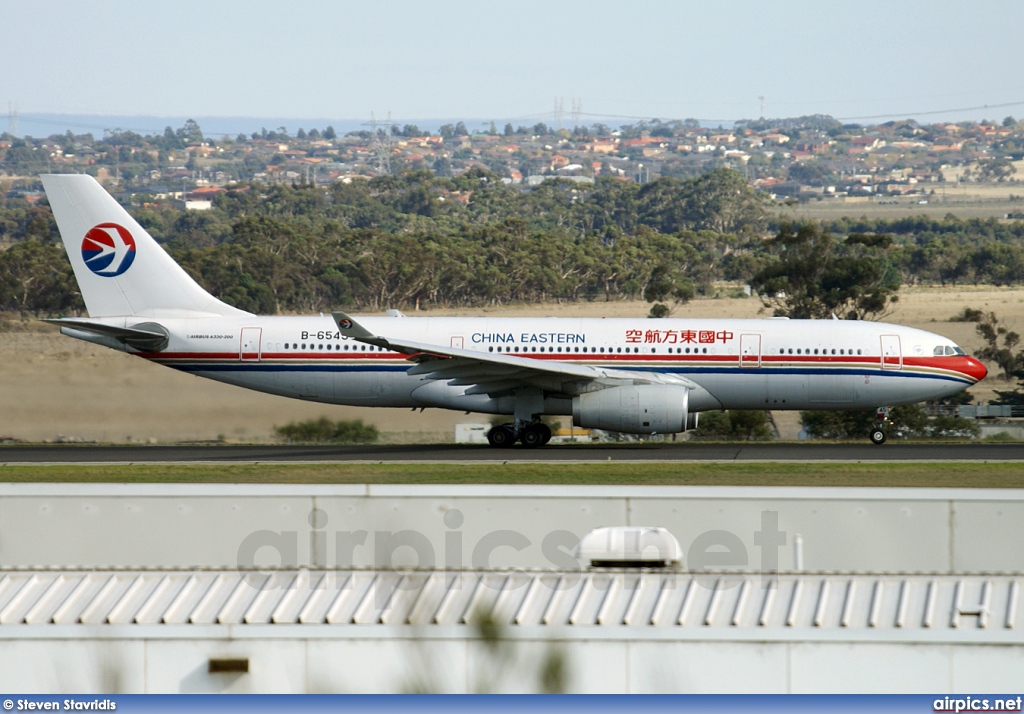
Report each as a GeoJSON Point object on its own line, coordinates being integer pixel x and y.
{"type": "Point", "coordinates": [381, 142]}
{"type": "Point", "coordinates": [577, 111]}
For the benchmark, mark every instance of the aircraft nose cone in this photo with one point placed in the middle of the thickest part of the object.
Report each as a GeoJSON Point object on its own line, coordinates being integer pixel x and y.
{"type": "Point", "coordinates": [975, 369]}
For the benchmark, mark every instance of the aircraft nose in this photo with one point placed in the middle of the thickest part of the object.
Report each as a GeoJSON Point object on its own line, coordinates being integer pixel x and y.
{"type": "Point", "coordinates": [975, 369]}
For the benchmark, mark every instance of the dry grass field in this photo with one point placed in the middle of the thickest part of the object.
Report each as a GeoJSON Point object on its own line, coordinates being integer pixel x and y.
{"type": "Point", "coordinates": [966, 200]}
{"type": "Point", "coordinates": [53, 386]}
{"type": "Point", "coordinates": [936, 208]}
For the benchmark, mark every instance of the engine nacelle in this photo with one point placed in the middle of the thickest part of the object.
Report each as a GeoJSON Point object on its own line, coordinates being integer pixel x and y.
{"type": "Point", "coordinates": [636, 409]}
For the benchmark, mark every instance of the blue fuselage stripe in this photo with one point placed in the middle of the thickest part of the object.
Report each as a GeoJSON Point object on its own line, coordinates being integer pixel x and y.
{"type": "Point", "coordinates": [400, 368]}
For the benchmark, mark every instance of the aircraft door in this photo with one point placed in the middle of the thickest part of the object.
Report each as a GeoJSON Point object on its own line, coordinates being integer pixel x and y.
{"type": "Point", "coordinates": [892, 356]}
{"type": "Point", "coordinates": [249, 345]}
{"type": "Point", "coordinates": [750, 350]}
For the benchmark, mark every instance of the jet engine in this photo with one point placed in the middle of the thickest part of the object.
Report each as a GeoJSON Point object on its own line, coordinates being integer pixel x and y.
{"type": "Point", "coordinates": [636, 409]}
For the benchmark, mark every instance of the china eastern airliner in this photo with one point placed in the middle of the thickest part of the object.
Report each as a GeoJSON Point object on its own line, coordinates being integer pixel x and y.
{"type": "Point", "coordinates": [638, 376]}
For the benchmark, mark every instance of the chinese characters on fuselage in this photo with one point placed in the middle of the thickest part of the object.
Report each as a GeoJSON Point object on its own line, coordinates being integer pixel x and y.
{"type": "Point", "coordinates": [678, 337]}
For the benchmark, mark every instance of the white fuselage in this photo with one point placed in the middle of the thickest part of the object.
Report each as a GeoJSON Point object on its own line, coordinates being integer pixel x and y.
{"type": "Point", "coordinates": [738, 364]}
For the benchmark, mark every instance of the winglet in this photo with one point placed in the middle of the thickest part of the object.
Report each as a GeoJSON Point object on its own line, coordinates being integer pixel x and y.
{"type": "Point", "coordinates": [351, 328]}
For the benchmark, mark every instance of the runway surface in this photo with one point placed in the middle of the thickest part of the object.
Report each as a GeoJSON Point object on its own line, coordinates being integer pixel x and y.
{"type": "Point", "coordinates": [448, 453]}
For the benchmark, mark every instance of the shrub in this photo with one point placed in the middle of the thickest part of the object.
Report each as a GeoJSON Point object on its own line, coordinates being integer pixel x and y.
{"type": "Point", "coordinates": [325, 430]}
{"type": "Point", "coordinates": [909, 421]}
{"type": "Point", "coordinates": [968, 314]}
{"type": "Point", "coordinates": [849, 424]}
{"type": "Point", "coordinates": [734, 425]}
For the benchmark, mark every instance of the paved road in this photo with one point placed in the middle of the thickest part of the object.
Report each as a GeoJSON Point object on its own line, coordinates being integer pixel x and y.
{"type": "Point", "coordinates": [67, 453]}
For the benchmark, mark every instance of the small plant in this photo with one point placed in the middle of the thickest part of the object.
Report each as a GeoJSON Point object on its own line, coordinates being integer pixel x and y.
{"type": "Point", "coordinates": [1001, 437]}
{"type": "Point", "coordinates": [659, 310]}
{"type": "Point", "coordinates": [324, 430]}
{"type": "Point", "coordinates": [968, 314]}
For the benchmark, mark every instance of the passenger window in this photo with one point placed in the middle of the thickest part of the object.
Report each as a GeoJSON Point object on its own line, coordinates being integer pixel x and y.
{"type": "Point", "coordinates": [858, 351]}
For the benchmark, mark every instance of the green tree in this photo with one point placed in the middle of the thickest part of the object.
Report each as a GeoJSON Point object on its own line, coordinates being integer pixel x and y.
{"type": "Point", "coordinates": [189, 133]}
{"type": "Point", "coordinates": [815, 276]}
{"type": "Point", "coordinates": [36, 278]}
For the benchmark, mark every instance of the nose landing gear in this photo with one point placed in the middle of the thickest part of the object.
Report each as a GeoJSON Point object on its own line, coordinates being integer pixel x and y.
{"type": "Point", "coordinates": [878, 434]}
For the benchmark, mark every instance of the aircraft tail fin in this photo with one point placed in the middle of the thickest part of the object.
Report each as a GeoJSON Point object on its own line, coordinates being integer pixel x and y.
{"type": "Point", "coordinates": [120, 269]}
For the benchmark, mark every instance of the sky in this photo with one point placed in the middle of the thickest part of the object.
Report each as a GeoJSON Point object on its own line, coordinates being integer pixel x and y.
{"type": "Point", "coordinates": [865, 61]}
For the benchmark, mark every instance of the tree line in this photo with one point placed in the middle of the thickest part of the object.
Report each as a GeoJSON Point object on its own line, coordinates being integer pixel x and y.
{"type": "Point", "coordinates": [416, 240]}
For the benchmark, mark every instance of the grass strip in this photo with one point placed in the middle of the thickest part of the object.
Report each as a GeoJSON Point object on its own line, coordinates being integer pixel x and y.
{"type": "Point", "coordinates": [891, 474]}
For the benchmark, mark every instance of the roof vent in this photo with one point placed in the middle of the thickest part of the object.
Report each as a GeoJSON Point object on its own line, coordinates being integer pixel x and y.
{"type": "Point", "coordinates": [629, 547]}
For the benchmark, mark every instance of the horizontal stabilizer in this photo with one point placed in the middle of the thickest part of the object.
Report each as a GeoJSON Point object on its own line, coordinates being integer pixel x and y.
{"type": "Point", "coordinates": [147, 337]}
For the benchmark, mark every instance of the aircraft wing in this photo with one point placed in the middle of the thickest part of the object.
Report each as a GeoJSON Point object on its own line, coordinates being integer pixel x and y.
{"type": "Point", "coordinates": [495, 374]}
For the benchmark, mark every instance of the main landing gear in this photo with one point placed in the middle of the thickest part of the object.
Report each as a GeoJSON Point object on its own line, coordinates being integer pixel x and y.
{"type": "Point", "coordinates": [531, 435]}
{"type": "Point", "coordinates": [878, 434]}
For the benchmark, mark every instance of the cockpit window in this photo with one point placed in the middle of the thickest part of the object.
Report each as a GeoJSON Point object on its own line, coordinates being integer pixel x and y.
{"type": "Point", "coordinates": [938, 351]}
{"type": "Point", "coordinates": [958, 351]}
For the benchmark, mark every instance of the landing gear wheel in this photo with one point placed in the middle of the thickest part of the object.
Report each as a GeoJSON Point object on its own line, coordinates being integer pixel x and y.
{"type": "Point", "coordinates": [501, 437]}
{"type": "Point", "coordinates": [535, 435]}
{"type": "Point", "coordinates": [878, 436]}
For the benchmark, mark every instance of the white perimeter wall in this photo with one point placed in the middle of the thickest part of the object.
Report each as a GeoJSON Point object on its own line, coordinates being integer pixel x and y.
{"type": "Point", "coordinates": [872, 530]}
